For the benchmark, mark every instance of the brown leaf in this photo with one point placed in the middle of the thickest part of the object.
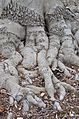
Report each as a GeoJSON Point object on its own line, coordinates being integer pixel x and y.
{"type": "Point", "coordinates": [2, 109]}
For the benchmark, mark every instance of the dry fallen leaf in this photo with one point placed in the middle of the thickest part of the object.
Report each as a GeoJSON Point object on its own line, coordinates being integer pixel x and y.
{"type": "Point", "coordinates": [2, 109]}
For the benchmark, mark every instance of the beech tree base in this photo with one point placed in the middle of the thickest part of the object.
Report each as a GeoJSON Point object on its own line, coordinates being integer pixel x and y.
{"type": "Point", "coordinates": [49, 53]}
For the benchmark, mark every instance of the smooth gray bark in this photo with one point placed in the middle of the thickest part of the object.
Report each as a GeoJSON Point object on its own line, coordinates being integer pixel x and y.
{"type": "Point", "coordinates": [24, 19]}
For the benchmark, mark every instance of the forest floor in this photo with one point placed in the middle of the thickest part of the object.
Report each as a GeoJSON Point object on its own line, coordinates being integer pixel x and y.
{"type": "Point", "coordinates": [70, 104]}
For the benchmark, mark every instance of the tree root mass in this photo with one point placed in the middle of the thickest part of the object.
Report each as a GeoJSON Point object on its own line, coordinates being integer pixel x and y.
{"type": "Point", "coordinates": [40, 57]}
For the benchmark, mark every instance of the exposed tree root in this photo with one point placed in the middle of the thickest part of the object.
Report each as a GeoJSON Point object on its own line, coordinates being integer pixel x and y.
{"type": "Point", "coordinates": [46, 73]}
{"type": "Point", "coordinates": [63, 68]}
{"type": "Point", "coordinates": [10, 81]}
{"type": "Point", "coordinates": [67, 50]}
{"type": "Point", "coordinates": [47, 52]}
{"type": "Point", "coordinates": [51, 82]}
{"type": "Point", "coordinates": [29, 62]}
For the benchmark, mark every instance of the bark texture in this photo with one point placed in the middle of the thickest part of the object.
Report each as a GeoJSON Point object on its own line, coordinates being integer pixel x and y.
{"type": "Point", "coordinates": [50, 36]}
